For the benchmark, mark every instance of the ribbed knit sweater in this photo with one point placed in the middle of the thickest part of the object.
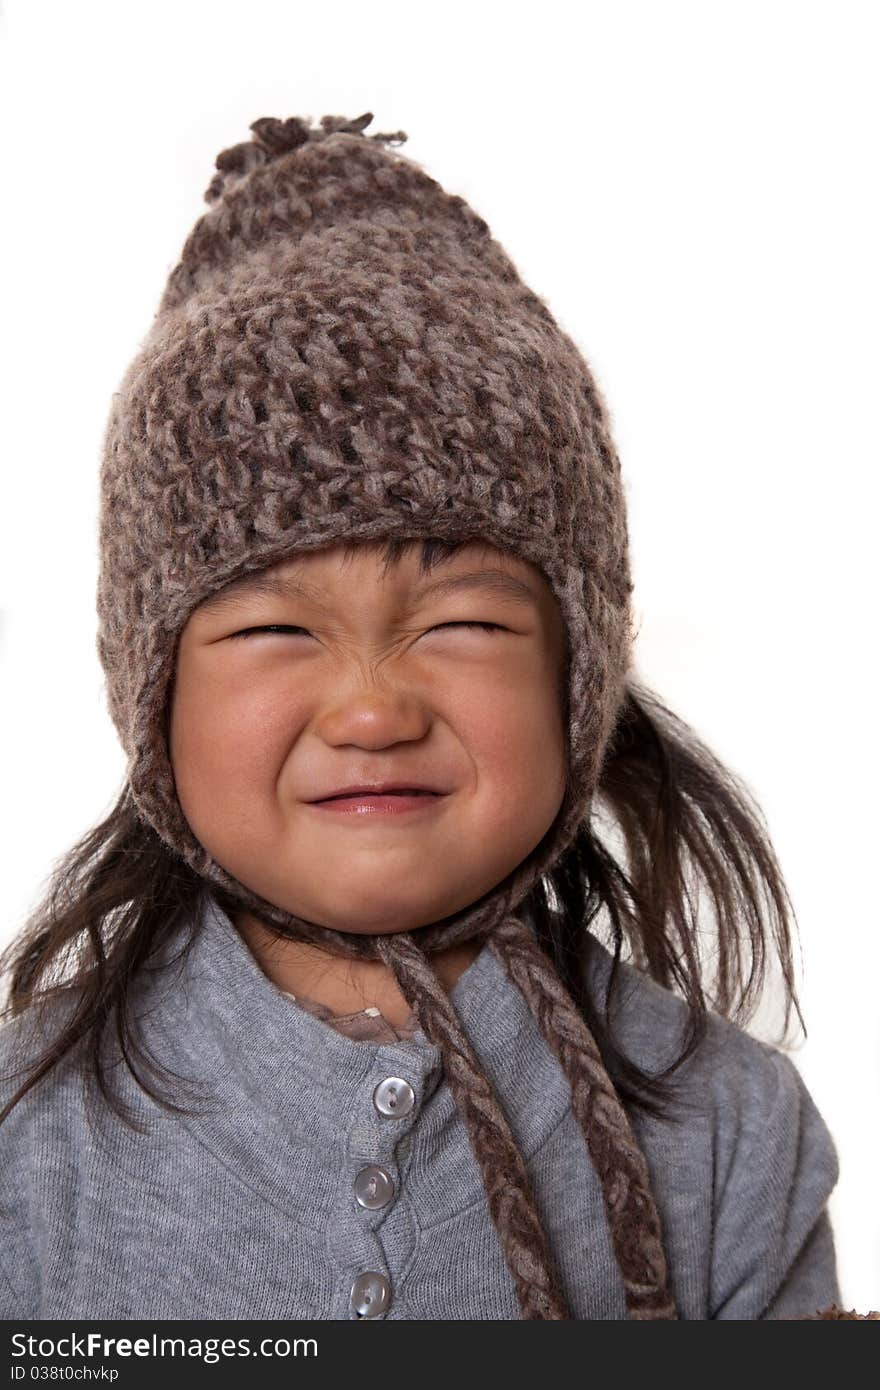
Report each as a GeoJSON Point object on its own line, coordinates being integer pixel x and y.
{"type": "Point", "coordinates": [251, 1208]}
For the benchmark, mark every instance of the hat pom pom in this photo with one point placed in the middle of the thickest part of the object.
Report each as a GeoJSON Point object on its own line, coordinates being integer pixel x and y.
{"type": "Point", "coordinates": [274, 137]}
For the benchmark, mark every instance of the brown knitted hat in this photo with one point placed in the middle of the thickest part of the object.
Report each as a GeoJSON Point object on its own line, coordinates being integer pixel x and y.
{"type": "Point", "coordinates": [345, 353]}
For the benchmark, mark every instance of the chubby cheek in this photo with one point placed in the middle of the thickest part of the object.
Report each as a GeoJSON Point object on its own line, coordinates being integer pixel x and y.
{"type": "Point", "coordinates": [515, 741]}
{"type": "Point", "coordinates": [229, 743]}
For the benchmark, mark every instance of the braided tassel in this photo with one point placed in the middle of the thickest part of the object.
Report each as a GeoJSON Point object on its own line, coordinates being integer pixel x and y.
{"type": "Point", "coordinates": [623, 1172]}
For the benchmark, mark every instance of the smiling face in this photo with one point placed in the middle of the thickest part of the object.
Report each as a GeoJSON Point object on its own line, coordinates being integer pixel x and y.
{"type": "Point", "coordinates": [360, 682]}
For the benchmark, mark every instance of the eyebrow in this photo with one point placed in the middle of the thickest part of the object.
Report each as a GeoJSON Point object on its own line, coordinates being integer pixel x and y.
{"type": "Point", "coordinates": [494, 581]}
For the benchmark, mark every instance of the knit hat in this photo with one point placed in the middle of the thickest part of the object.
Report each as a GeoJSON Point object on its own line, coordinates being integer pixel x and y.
{"type": "Point", "coordinates": [344, 353]}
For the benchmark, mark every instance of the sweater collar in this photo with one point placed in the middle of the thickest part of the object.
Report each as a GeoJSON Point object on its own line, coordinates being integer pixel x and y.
{"type": "Point", "coordinates": [261, 1065]}
{"type": "Point", "coordinates": [236, 1014]}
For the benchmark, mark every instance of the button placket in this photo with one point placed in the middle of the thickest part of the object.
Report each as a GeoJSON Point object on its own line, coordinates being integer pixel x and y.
{"type": "Point", "coordinates": [392, 1094]}
{"type": "Point", "coordinates": [374, 1172]}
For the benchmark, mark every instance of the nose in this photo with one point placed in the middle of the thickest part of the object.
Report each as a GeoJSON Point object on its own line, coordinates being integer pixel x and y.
{"type": "Point", "coordinates": [374, 719]}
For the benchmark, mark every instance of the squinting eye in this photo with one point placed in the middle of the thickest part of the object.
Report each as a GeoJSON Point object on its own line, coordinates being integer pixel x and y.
{"type": "Point", "coordinates": [273, 627]}
{"type": "Point", "coordinates": [487, 627]}
{"type": "Point", "coordinates": [286, 627]}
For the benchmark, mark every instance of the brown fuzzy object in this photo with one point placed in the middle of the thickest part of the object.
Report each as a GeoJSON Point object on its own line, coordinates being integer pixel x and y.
{"type": "Point", "coordinates": [835, 1312]}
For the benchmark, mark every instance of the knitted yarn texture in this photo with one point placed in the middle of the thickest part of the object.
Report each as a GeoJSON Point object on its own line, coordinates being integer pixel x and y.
{"type": "Point", "coordinates": [343, 353]}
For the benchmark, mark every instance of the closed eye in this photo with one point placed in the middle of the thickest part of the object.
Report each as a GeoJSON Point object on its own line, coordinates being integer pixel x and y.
{"type": "Point", "coordinates": [486, 627]}
{"type": "Point", "coordinates": [272, 627]}
{"type": "Point", "coordinates": [286, 627]}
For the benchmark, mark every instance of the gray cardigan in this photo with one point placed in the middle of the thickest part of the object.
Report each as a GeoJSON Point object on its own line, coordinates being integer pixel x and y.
{"type": "Point", "coordinates": [255, 1207]}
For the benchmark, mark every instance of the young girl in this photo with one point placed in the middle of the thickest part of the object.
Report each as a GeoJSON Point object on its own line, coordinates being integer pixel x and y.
{"type": "Point", "coordinates": [314, 1024]}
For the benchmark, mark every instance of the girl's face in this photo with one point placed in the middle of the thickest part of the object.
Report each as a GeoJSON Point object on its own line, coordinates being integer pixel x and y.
{"type": "Point", "coordinates": [363, 683]}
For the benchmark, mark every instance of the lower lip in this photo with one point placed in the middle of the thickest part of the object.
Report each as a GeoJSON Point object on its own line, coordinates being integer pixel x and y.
{"type": "Point", "coordinates": [379, 805]}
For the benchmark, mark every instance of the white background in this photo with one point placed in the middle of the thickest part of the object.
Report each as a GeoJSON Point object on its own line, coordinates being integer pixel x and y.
{"type": "Point", "coordinates": [692, 188]}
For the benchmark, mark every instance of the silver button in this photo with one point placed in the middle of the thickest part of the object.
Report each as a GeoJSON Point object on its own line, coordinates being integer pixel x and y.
{"type": "Point", "coordinates": [370, 1294]}
{"type": "Point", "coordinates": [394, 1097]}
{"type": "Point", "coordinates": [373, 1186]}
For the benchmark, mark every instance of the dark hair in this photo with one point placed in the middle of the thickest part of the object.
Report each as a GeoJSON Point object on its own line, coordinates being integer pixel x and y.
{"type": "Point", "coordinates": [119, 893]}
